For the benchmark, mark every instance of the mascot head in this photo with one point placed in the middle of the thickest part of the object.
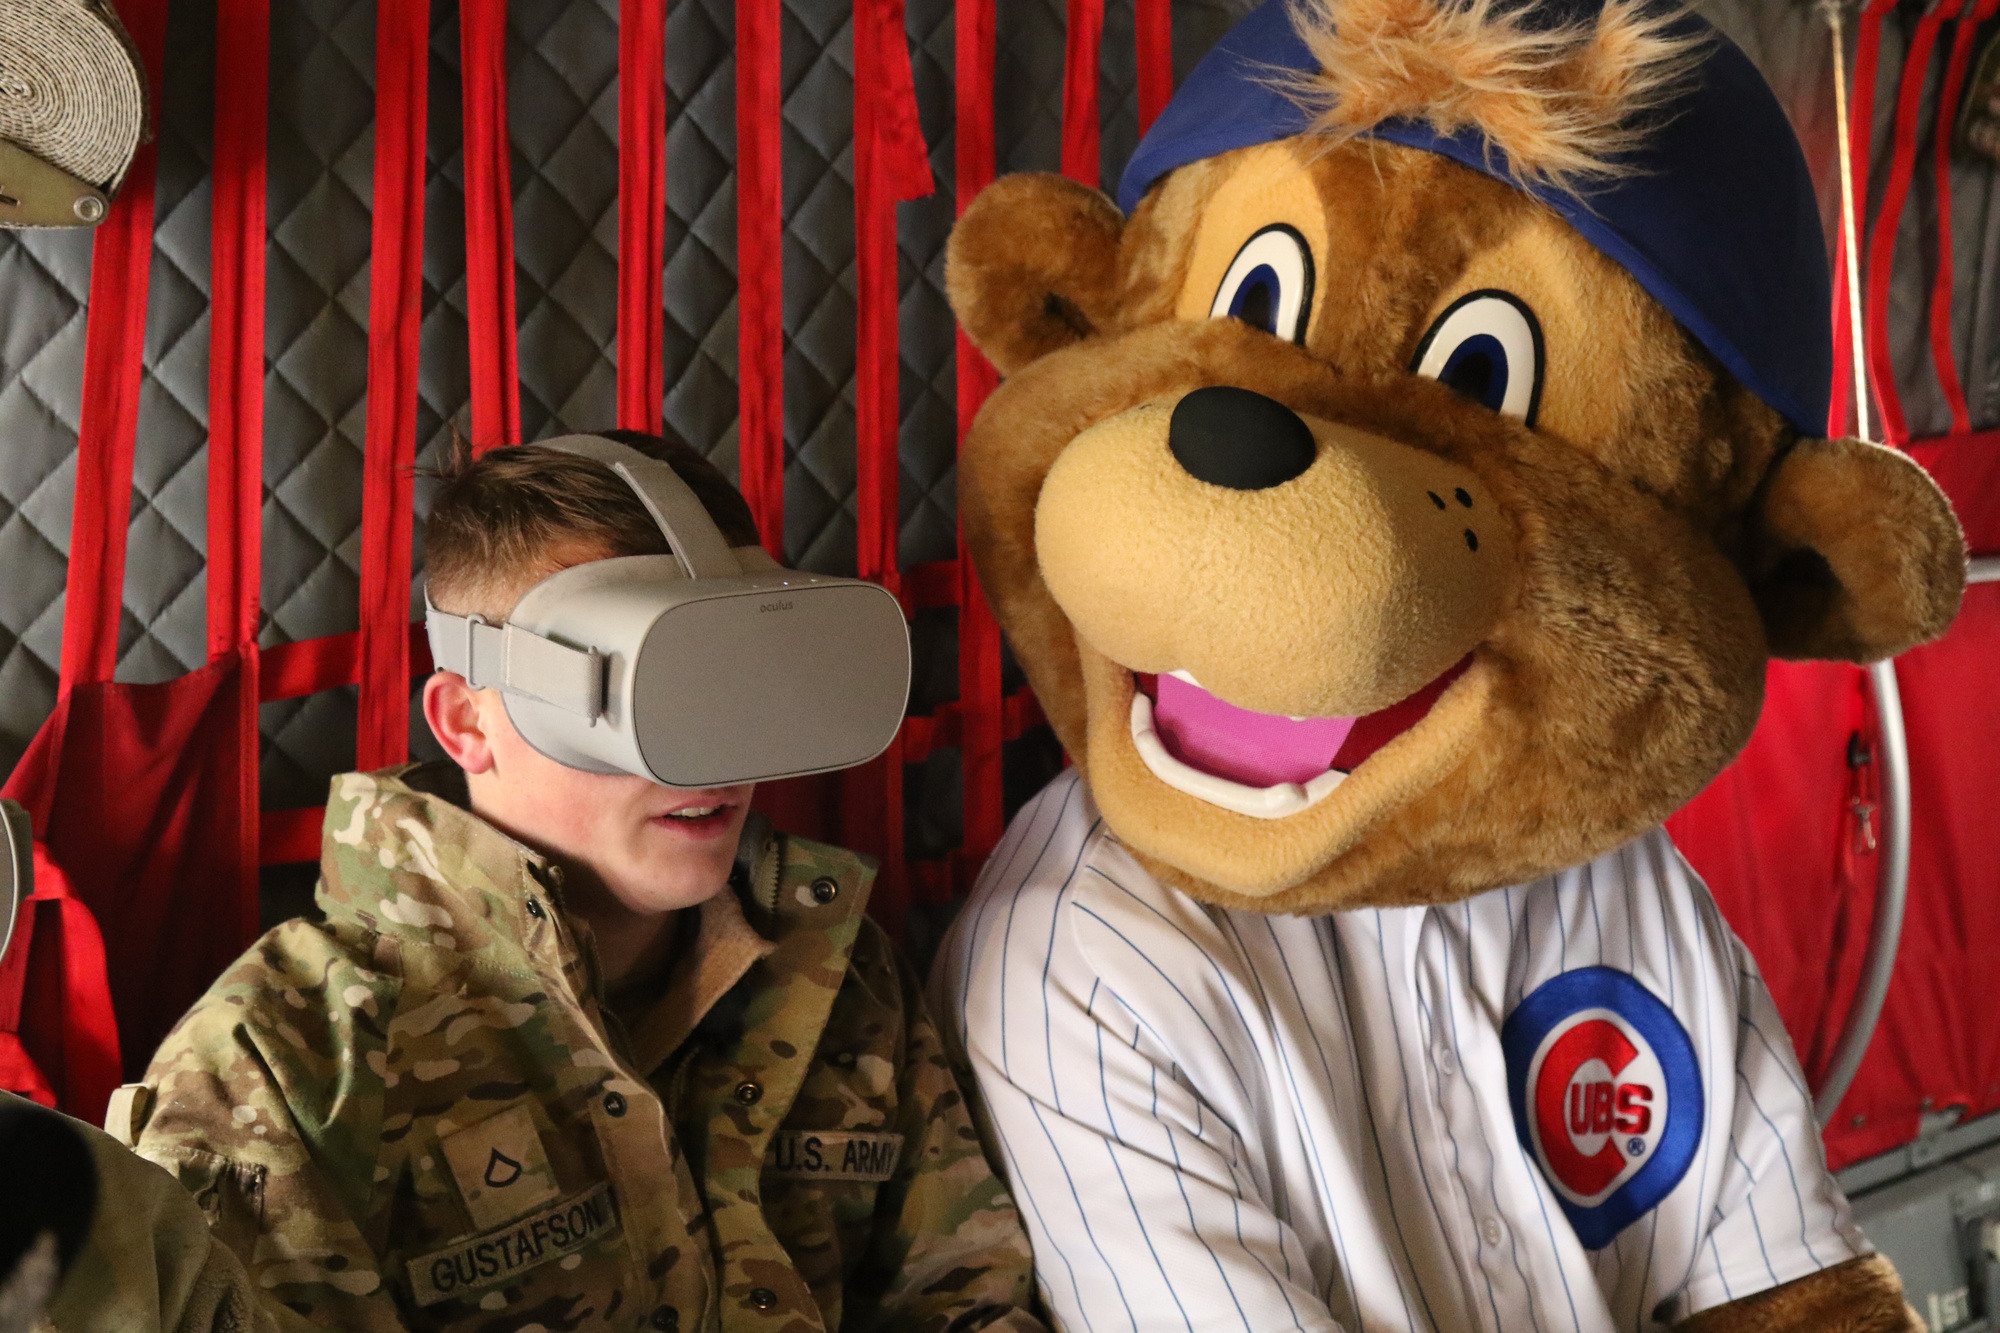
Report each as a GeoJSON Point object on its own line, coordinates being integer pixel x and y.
{"type": "Point", "coordinates": [1399, 492]}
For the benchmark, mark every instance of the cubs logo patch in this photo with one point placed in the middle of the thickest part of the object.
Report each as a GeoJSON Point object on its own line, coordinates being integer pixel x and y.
{"type": "Point", "coordinates": [1606, 1095]}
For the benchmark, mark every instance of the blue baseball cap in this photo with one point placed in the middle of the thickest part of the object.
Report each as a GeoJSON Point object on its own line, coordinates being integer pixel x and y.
{"type": "Point", "coordinates": [1719, 221]}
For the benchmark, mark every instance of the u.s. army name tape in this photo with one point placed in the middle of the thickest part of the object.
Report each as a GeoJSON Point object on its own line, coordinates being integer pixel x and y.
{"type": "Point", "coordinates": [804, 1154]}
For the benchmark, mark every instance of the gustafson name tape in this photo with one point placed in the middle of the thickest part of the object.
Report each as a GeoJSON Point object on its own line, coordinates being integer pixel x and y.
{"type": "Point", "coordinates": [492, 1258]}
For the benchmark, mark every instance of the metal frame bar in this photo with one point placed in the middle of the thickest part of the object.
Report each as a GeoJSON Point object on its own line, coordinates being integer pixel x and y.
{"type": "Point", "coordinates": [1892, 890]}
{"type": "Point", "coordinates": [1891, 895]}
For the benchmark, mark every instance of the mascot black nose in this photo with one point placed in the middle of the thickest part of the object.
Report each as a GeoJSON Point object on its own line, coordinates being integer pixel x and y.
{"type": "Point", "coordinates": [1232, 437]}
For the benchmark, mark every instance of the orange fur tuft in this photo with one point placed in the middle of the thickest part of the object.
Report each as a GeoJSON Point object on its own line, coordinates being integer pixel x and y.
{"type": "Point", "coordinates": [1563, 104]}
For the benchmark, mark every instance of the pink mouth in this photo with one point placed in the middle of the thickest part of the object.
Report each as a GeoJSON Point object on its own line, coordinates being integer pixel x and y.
{"type": "Point", "coordinates": [1265, 749]}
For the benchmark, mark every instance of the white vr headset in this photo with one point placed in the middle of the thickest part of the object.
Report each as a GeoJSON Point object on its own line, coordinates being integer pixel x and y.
{"type": "Point", "coordinates": [704, 668]}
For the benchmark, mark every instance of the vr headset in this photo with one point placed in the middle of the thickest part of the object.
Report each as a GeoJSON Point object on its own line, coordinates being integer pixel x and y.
{"type": "Point", "coordinates": [704, 668]}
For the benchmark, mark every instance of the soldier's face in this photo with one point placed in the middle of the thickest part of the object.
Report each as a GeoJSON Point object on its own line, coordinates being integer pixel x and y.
{"type": "Point", "coordinates": [651, 849]}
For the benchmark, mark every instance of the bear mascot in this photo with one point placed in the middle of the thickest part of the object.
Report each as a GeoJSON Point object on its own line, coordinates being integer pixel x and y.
{"type": "Point", "coordinates": [1393, 501]}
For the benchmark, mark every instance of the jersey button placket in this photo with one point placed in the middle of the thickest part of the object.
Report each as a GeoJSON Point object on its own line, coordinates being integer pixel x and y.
{"type": "Point", "coordinates": [1452, 1111]}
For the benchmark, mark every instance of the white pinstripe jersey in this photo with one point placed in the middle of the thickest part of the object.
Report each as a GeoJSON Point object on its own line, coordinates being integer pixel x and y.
{"type": "Point", "coordinates": [1226, 1120]}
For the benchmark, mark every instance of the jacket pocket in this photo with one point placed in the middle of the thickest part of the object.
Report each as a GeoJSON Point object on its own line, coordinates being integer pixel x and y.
{"type": "Point", "coordinates": [230, 1193]}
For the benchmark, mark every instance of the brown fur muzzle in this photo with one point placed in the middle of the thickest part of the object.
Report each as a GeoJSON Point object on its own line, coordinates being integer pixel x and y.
{"type": "Point", "coordinates": [1643, 546]}
{"type": "Point", "coordinates": [1621, 666]}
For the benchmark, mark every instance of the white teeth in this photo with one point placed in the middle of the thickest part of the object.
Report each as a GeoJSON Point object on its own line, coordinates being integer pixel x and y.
{"type": "Point", "coordinates": [693, 812]}
{"type": "Point", "coordinates": [1286, 798]}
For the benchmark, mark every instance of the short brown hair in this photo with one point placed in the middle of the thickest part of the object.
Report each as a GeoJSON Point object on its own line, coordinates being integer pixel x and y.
{"type": "Point", "coordinates": [501, 523]}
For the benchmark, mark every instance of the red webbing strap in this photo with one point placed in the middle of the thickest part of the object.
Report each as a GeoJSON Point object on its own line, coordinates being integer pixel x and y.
{"type": "Point", "coordinates": [395, 314]}
{"type": "Point", "coordinates": [1083, 48]}
{"type": "Point", "coordinates": [642, 213]}
{"type": "Point", "coordinates": [67, 973]}
{"type": "Point", "coordinates": [108, 427]}
{"type": "Point", "coordinates": [1154, 36]}
{"type": "Point", "coordinates": [760, 311]}
{"type": "Point", "coordinates": [980, 736]}
{"type": "Point", "coordinates": [1847, 268]}
{"type": "Point", "coordinates": [891, 164]}
{"type": "Point", "coordinates": [489, 226]}
{"type": "Point", "coordinates": [70, 978]}
{"type": "Point", "coordinates": [974, 165]}
{"type": "Point", "coordinates": [307, 666]}
{"type": "Point", "coordinates": [237, 246]}
{"type": "Point", "coordinates": [1944, 358]}
{"type": "Point", "coordinates": [1888, 220]}
{"type": "Point", "coordinates": [107, 430]}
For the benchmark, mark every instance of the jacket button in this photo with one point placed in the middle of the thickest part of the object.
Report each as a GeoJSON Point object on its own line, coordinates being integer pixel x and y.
{"type": "Point", "coordinates": [763, 1297]}
{"type": "Point", "coordinates": [824, 891]}
{"type": "Point", "coordinates": [748, 1093]}
{"type": "Point", "coordinates": [535, 908]}
{"type": "Point", "coordinates": [614, 1103]}
{"type": "Point", "coordinates": [666, 1319]}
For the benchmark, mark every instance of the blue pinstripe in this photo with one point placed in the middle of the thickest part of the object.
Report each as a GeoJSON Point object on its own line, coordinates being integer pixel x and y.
{"type": "Point", "coordinates": [1208, 990]}
{"type": "Point", "coordinates": [1375, 1137]}
{"type": "Point", "coordinates": [1755, 1224]}
{"type": "Point", "coordinates": [1492, 1180]}
{"type": "Point", "coordinates": [1112, 1152]}
{"type": "Point", "coordinates": [1457, 1167]}
{"type": "Point", "coordinates": [1422, 1172]}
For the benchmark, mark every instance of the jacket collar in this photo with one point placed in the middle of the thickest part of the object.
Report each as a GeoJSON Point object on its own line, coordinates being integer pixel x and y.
{"type": "Point", "coordinates": [403, 857]}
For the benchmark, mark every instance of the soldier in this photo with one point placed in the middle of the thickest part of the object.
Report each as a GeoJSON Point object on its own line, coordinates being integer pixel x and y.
{"type": "Point", "coordinates": [575, 1050]}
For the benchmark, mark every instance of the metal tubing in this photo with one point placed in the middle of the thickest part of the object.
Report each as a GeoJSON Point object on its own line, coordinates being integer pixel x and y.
{"type": "Point", "coordinates": [1891, 894]}
{"type": "Point", "coordinates": [1983, 569]}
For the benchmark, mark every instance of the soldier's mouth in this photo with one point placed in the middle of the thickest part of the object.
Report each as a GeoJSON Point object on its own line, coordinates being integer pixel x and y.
{"type": "Point", "coordinates": [1260, 764]}
{"type": "Point", "coordinates": [704, 818]}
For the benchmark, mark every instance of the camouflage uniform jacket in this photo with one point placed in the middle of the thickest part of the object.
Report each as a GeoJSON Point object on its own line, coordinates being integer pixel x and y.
{"type": "Point", "coordinates": [420, 1114]}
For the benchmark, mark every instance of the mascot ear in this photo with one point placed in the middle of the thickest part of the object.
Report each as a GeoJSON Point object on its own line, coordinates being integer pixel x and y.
{"type": "Point", "coordinates": [1854, 553]}
{"type": "Point", "coordinates": [1033, 267]}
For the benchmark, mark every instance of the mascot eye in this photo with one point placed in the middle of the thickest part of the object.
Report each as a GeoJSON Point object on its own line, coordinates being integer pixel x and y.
{"type": "Point", "coordinates": [1270, 284]}
{"type": "Point", "coordinates": [1487, 347]}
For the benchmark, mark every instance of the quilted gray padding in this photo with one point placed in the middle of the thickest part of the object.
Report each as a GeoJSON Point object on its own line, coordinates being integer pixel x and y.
{"type": "Point", "coordinates": [44, 276]}
{"type": "Point", "coordinates": [563, 91]}
{"type": "Point", "coordinates": [1792, 46]}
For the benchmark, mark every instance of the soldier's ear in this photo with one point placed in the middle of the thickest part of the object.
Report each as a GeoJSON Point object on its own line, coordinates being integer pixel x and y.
{"type": "Point", "coordinates": [451, 707]}
{"type": "Point", "coordinates": [1854, 553]}
{"type": "Point", "coordinates": [1033, 267]}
